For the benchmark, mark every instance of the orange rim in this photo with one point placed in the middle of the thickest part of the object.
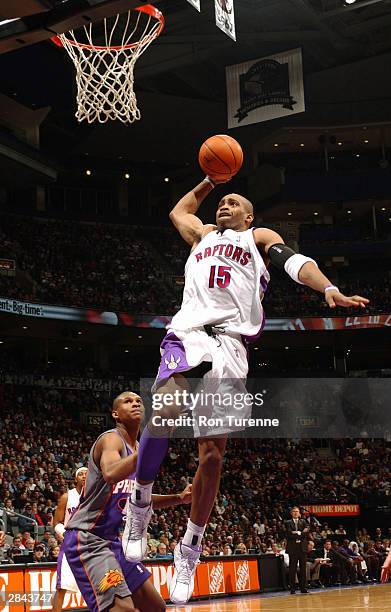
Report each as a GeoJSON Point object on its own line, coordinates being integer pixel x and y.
{"type": "Point", "coordinates": [146, 8]}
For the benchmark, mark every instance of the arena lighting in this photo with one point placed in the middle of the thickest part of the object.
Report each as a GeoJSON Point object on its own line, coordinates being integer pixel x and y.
{"type": "Point", "coordinates": [302, 144]}
{"type": "Point", "coordinates": [140, 337]}
{"type": "Point", "coordinates": [256, 348]}
{"type": "Point", "coordinates": [127, 175]}
{"type": "Point", "coordinates": [357, 154]}
{"type": "Point", "coordinates": [316, 213]}
{"type": "Point", "coordinates": [66, 348]}
{"type": "Point", "coordinates": [275, 144]}
{"type": "Point", "coordinates": [88, 172]}
{"type": "Point", "coordinates": [166, 179]}
{"type": "Point", "coordinates": [287, 348]}
{"type": "Point", "coordinates": [349, 2]}
{"type": "Point", "coordinates": [25, 326]}
{"type": "Point", "coordinates": [317, 347]}
{"type": "Point", "coordinates": [349, 212]}
{"type": "Point", "coordinates": [79, 333]}
{"type": "Point", "coordinates": [289, 214]}
{"type": "Point", "coordinates": [366, 141]}
{"type": "Point", "coordinates": [383, 209]}
{"type": "Point", "coordinates": [339, 143]}
{"type": "Point", "coordinates": [126, 350]}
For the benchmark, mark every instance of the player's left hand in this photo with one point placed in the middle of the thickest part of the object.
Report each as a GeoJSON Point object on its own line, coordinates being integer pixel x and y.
{"type": "Point", "coordinates": [186, 494]}
{"type": "Point", "coordinates": [336, 298]}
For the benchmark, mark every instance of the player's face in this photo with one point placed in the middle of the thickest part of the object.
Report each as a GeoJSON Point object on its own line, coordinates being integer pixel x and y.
{"type": "Point", "coordinates": [81, 477]}
{"type": "Point", "coordinates": [232, 213]}
{"type": "Point", "coordinates": [129, 408]}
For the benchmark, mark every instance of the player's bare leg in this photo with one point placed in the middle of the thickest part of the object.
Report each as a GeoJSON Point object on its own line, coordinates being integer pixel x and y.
{"type": "Point", "coordinates": [147, 599]}
{"type": "Point", "coordinates": [207, 479]}
{"type": "Point", "coordinates": [151, 454]}
{"type": "Point", "coordinates": [58, 600]}
{"type": "Point", "coordinates": [205, 487]}
{"type": "Point", "coordinates": [122, 604]}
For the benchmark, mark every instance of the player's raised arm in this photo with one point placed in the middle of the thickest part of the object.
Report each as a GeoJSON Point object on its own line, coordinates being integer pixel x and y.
{"type": "Point", "coordinates": [183, 215]}
{"type": "Point", "coordinates": [107, 455]}
{"type": "Point", "coordinates": [59, 515]}
{"type": "Point", "coordinates": [302, 269]}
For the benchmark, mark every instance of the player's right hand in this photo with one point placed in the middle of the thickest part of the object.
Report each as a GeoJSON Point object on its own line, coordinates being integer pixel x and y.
{"type": "Point", "coordinates": [218, 180]}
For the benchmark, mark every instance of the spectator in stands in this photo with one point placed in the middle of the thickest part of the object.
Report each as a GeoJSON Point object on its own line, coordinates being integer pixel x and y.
{"type": "Point", "coordinates": [340, 530]}
{"type": "Point", "coordinates": [312, 565]}
{"type": "Point", "coordinates": [17, 542]}
{"type": "Point", "coordinates": [53, 553]}
{"type": "Point", "coordinates": [162, 552]}
{"type": "Point", "coordinates": [354, 560]}
{"type": "Point", "coordinates": [39, 554]}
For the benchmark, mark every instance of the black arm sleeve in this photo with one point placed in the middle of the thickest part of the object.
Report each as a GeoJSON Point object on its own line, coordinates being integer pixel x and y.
{"type": "Point", "coordinates": [279, 254]}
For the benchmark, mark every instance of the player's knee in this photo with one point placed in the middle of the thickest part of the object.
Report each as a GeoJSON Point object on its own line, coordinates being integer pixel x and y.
{"type": "Point", "coordinates": [211, 459]}
{"type": "Point", "coordinates": [120, 604]}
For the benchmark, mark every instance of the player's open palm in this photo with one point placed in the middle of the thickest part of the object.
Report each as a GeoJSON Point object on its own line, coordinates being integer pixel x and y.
{"type": "Point", "coordinates": [335, 298]}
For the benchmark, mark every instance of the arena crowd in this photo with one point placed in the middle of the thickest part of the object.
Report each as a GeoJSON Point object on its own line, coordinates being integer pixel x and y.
{"type": "Point", "coordinates": [41, 446]}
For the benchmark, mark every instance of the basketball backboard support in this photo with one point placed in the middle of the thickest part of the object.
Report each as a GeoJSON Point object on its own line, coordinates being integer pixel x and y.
{"type": "Point", "coordinates": [42, 19]}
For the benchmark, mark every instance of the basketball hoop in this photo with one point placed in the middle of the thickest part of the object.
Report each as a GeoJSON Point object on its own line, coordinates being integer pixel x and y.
{"type": "Point", "coordinates": [104, 55]}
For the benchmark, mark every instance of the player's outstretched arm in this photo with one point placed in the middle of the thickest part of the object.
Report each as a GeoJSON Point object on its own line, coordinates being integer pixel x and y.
{"type": "Point", "coordinates": [59, 515]}
{"type": "Point", "coordinates": [165, 501]}
{"type": "Point", "coordinates": [302, 269]}
{"type": "Point", "coordinates": [183, 215]}
{"type": "Point", "coordinates": [107, 456]}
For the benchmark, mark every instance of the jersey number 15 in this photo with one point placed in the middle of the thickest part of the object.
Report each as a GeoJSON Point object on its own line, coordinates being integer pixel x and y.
{"type": "Point", "coordinates": [222, 279]}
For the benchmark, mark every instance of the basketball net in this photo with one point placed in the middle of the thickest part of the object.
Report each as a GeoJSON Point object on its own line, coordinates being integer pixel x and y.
{"type": "Point", "coordinates": [104, 56]}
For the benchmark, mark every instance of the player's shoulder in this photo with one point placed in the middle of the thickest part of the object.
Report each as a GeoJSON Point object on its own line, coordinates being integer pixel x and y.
{"type": "Point", "coordinates": [109, 438]}
{"type": "Point", "coordinates": [63, 498]}
{"type": "Point", "coordinates": [207, 229]}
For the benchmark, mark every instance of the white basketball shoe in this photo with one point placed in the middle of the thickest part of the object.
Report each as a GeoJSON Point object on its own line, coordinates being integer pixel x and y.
{"type": "Point", "coordinates": [186, 560]}
{"type": "Point", "coordinates": [134, 539]}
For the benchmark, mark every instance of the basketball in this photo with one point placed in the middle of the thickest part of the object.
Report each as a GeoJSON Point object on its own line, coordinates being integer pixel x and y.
{"type": "Point", "coordinates": [220, 157]}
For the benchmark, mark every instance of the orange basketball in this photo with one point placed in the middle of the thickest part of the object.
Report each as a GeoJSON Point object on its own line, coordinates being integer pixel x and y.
{"type": "Point", "coordinates": [220, 156]}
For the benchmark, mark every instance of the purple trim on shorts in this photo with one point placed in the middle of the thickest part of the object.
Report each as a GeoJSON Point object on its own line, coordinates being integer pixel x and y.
{"type": "Point", "coordinates": [174, 352]}
{"type": "Point", "coordinates": [59, 563]}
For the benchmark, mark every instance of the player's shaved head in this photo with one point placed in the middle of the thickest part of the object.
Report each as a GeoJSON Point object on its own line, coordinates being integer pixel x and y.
{"type": "Point", "coordinates": [122, 396]}
{"type": "Point", "coordinates": [249, 208]}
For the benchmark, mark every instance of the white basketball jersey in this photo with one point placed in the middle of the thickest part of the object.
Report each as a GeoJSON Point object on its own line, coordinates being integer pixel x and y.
{"type": "Point", "coordinates": [72, 504]}
{"type": "Point", "coordinates": [225, 280]}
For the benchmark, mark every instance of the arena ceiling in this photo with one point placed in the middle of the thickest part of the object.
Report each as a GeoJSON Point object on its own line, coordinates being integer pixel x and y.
{"type": "Point", "coordinates": [180, 81]}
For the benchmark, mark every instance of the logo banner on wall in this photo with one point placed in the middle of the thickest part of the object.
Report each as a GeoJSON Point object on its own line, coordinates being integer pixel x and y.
{"type": "Point", "coordinates": [196, 4]}
{"type": "Point", "coordinates": [334, 510]}
{"type": "Point", "coordinates": [225, 17]}
{"type": "Point", "coordinates": [29, 588]}
{"type": "Point", "coordinates": [264, 89]}
{"type": "Point", "coordinates": [89, 315]}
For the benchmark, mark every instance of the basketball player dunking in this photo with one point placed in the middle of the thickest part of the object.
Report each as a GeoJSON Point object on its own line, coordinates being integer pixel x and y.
{"type": "Point", "coordinates": [225, 279]}
{"type": "Point", "coordinates": [91, 543]}
{"type": "Point", "coordinates": [66, 505]}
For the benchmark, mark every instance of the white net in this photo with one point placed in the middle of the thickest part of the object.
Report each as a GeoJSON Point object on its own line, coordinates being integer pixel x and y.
{"type": "Point", "coordinates": [104, 56]}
